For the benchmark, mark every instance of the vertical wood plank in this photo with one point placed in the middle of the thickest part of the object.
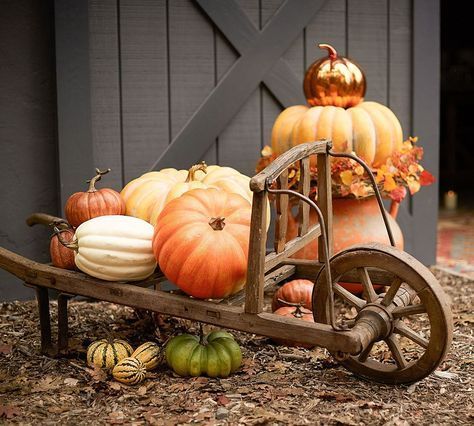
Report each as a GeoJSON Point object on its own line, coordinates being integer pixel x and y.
{"type": "Point", "coordinates": [426, 81]}
{"type": "Point", "coordinates": [281, 218]}
{"type": "Point", "coordinates": [105, 90]}
{"type": "Point", "coordinates": [325, 202]}
{"type": "Point", "coordinates": [367, 44]}
{"type": "Point", "coordinates": [328, 26]}
{"type": "Point", "coordinates": [191, 64]}
{"type": "Point", "coordinates": [239, 143]}
{"type": "Point", "coordinates": [144, 74]}
{"type": "Point", "coordinates": [399, 67]}
{"type": "Point", "coordinates": [76, 161]}
{"type": "Point", "coordinates": [256, 262]}
{"type": "Point", "coordinates": [304, 187]}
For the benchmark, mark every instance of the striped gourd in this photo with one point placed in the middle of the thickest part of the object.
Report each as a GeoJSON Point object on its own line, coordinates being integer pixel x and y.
{"type": "Point", "coordinates": [149, 353]}
{"type": "Point", "coordinates": [106, 353]}
{"type": "Point", "coordinates": [129, 371]}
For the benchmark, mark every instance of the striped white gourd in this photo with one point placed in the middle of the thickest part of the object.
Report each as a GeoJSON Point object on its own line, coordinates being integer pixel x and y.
{"type": "Point", "coordinates": [149, 353]}
{"type": "Point", "coordinates": [115, 248]}
{"type": "Point", "coordinates": [106, 353]}
{"type": "Point", "coordinates": [130, 371]}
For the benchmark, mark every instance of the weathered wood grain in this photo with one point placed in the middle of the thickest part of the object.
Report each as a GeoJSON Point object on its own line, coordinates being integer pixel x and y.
{"type": "Point", "coordinates": [304, 186]}
{"type": "Point", "coordinates": [281, 220]}
{"type": "Point", "coordinates": [325, 204]}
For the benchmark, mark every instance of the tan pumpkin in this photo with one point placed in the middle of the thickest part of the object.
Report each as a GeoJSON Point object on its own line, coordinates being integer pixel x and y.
{"type": "Point", "coordinates": [130, 371]}
{"type": "Point", "coordinates": [83, 206]}
{"type": "Point", "coordinates": [146, 196]}
{"type": "Point", "coordinates": [201, 242]}
{"type": "Point", "coordinates": [369, 129]}
{"type": "Point", "coordinates": [149, 354]}
{"type": "Point", "coordinates": [107, 353]}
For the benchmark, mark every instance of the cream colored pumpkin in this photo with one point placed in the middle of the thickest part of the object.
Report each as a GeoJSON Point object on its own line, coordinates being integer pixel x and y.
{"type": "Point", "coordinates": [146, 196]}
{"type": "Point", "coordinates": [369, 129]}
{"type": "Point", "coordinates": [115, 248]}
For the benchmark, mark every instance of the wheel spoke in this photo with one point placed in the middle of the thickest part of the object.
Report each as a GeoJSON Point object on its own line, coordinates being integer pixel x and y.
{"type": "Point", "coordinates": [392, 291]}
{"type": "Point", "coordinates": [406, 311]}
{"type": "Point", "coordinates": [396, 350]}
{"type": "Point", "coordinates": [365, 353]}
{"type": "Point", "coordinates": [407, 332]}
{"type": "Point", "coordinates": [348, 297]}
{"type": "Point", "coordinates": [368, 292]}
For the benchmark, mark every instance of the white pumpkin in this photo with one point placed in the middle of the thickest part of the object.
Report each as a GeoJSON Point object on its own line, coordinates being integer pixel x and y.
{"type": "Point", "coordinates": [115, 248]}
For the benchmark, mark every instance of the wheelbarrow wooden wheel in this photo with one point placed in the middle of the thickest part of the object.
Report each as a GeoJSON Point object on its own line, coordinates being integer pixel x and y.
{"type": "Point", "coordinates": [417, 331]}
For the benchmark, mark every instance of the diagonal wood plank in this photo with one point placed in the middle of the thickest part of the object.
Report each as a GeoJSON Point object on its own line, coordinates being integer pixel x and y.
{"type": "Point", "coordinates": [233, 22]}
{"type": "Point", "coordinates": [238, 84]}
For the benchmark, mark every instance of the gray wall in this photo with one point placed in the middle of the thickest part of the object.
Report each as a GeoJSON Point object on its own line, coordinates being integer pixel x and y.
{"type": "Point", "coordinates": [28, 172]}
{"type": "Point", "coordinates": [153, 83]}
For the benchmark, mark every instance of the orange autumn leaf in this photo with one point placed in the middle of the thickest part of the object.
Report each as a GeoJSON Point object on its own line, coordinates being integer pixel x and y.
{"type": "Point", "coordinates": [346, 177]}
{"type": "Point", "coordinates": [389, 184]}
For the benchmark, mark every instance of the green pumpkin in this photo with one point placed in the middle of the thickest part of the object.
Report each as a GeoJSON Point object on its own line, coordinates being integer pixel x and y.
{"type": "Point", "coordinates": [215, 355]}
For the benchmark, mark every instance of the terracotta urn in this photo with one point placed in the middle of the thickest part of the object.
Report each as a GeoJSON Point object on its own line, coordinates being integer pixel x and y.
{"type": "Point", "coordinates": [355, 221]}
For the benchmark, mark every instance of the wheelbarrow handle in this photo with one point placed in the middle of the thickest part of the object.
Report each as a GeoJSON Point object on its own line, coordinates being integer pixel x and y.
{"type": "Point", "coordinates": [46, 219]}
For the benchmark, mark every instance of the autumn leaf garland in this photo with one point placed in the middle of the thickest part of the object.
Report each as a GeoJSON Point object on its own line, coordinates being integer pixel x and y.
{"type": "Point", "coordinates": [401, 172]}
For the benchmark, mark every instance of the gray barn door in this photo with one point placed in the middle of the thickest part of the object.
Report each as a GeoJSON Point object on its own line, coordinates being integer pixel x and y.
{"type": "Point", "coordinates": [168, 83]}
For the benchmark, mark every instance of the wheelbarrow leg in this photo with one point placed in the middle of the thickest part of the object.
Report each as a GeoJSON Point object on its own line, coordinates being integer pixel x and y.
{"type": "Point", "coordinates": [62, 324]}
{"type": "Point", "coordinates": [45, 321]}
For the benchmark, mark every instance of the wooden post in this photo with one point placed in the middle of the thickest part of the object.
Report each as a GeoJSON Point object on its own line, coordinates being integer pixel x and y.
{"type": "Point", "coordinates": [304, 188]}
{"type": "Point", "coordinates": [256, 262]}
{"type": "Point", "coordinates": [325, 202]}
{"type": "Point", "coordinates": [281, 222]}
{"type": "Point", "coordinates": [62, 323]}
{"type": "Point", "coordinates": [45, 322]}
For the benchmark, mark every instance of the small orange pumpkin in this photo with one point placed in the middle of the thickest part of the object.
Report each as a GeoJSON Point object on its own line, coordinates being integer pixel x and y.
{"type": "Point", "coordinates": [201, 242]}
{"type": "Point", "coordinates": [82, 206]}
{"type": "Point", "coordinates": [294, 310]}
{"type": "Point", "coordinates": [296, 291]}
{"type": "Point", "coordinates": [61, 256]}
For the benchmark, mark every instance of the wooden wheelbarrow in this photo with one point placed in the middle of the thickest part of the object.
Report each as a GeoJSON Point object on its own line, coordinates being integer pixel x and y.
{"type": "Point", "coordinates": [411, 319]}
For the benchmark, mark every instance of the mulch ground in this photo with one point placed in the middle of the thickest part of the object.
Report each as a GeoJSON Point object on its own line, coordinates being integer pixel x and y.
{"type": "Point", "coordinates": [275, 385]}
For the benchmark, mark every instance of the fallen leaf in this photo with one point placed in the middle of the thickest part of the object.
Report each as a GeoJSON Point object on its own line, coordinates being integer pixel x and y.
{"type": "Point", "coordinates": [116, 418]}
{"type": "Point", "coordinates": [69, 381]}
{"type": "Point", "coordinates": [223, 400]}
{"type": "Point", "coordinates": [6, 349]}
{"type": "Point", "coordinates": [141, 390]}
{"type": "Point", "coordinates": [445, 374]}
{"type": "Point", "coordinates": [115, 386]}
{"type": "Point", "coordinates": [97, 374]}
{"type": "Point", "coordinates": [9, 411]}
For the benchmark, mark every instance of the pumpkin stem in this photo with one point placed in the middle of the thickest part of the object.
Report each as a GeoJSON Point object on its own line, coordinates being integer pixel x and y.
{"type": "Point", "coordinates": [217, 223]}
{"type": "Point", "coordinates": [331, 51]}
{"type": "Point", "coordinates": [73, 245]}
{"type": "Point", "coordinates": [96, 179]}
{"type": "Point", "coordinates": [297, 313]}
{"type": "Point", "coordinates": [61, 224]}
{"type": "Point", "coordinates": [202, 166]}
{"type": "Point", "coordinates": [202, 339]}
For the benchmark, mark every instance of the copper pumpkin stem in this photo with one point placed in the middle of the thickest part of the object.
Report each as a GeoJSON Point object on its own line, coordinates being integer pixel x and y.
{"type": "Point", "coordinates": [202, 166]}
{"type": "Point", "coordinates": [96, 179]}
{"type": "Point", "coordinates": [73, 245]}
{"type": "Point", "coordinates": [331, 51]}
{"type": "Point", "coordinates": [217, 223]}
{"type": "Point", "coordinates": [202, 340]}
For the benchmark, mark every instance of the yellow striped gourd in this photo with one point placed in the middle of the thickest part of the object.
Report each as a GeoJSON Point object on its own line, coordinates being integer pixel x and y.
{"type": "Point", "coordinates": [149, 353]}
{"type": "Point", "coordinates": [106, 353]}
{"type": "Point", "coordinates": [130, 371]}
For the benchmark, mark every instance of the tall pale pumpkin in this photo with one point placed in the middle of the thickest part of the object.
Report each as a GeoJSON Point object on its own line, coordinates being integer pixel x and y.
{"type": "Point", "coordinates": [369, 129]}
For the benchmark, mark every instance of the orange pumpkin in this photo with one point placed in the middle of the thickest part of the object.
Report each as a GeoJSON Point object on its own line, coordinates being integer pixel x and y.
{"type": "Point", "coordinates": [296, 291]}
{"type": "Point", "coordinates": [61, 256]}
{"type": "Point", "coordinates": [334, 80]}
{"type": "Point", "coordinates": [294, 311]}
{"type": "Point", "coordinates": [201, 242]}
{"type": "Point", "coordinates": [369, 129]}
{"type": "Point", "coordinates": [83, 206]}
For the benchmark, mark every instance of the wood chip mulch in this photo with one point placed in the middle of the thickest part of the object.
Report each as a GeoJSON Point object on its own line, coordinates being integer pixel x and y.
{"type": "Point", "coordinates": [276, 385]}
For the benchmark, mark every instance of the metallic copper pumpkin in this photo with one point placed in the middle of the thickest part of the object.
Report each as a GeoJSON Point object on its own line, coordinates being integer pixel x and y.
{"type": "Point", "coordinates": [83, 206]}
{"type": "Point", "coordinates": [334, 80]}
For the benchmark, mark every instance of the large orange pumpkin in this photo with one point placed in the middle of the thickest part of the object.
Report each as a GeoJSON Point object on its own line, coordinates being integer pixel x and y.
{"type": "Point", "coordinates": [201, 242]}
{"type": "Point", "coordinates": [369, 129]}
